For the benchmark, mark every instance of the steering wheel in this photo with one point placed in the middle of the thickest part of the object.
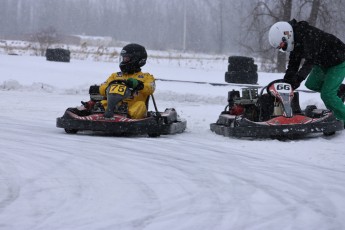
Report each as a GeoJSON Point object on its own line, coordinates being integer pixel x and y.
{"type": "Point", "coordinates": [273, 82]}
{"type": "Point", "coordinates": [269, 85]}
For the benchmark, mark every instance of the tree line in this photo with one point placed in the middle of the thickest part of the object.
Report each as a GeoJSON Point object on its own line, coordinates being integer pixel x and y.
{"type": "Point", "coordinates": [211, 26]}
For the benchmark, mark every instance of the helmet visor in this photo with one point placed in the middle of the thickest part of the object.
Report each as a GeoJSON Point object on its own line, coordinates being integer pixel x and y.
{"type": "Point", "coordinates": [124, 58]}
{"type": "Point", "coordinates": [283, 44]}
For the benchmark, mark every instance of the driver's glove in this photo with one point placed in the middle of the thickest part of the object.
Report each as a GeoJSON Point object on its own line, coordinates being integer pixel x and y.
{"type": "Point", "coordinates": [134, 84]}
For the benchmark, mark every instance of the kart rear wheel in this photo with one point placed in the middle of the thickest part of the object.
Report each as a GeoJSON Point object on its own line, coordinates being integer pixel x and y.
{"type": "Point", "coordinates": [154, 134]}
{"type": "Point", "coordinates": [328, 133]}
{"type": "Point", "coordinates": [71, 131]}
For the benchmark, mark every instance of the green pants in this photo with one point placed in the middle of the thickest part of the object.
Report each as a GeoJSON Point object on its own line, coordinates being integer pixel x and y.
{"type": "Point", "coordinates": [326, 81]}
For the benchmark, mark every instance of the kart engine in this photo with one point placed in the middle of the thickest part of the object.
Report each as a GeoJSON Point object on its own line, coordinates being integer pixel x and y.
{"type": "Point", "coordinates": [245, 105]}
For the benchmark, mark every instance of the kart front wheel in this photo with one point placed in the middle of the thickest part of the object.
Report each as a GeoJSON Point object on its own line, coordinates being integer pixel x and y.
{"type": "Point", "coordinates": [71, 131]}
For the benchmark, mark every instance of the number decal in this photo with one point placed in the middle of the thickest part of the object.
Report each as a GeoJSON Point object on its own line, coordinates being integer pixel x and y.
{"type": "Point", "coordinates": [118, 89]}
{"type": "Point", "coordinates": [283, 87]}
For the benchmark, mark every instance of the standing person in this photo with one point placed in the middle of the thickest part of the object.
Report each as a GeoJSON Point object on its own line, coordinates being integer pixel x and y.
{"type": "Point", "coordinates": [132, 58]}
{"type": "Point", "coordinates": [324, 60]}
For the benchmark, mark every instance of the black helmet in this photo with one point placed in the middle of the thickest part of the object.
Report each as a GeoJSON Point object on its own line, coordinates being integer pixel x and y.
{"type": "Point", "coordinates": [132, 57]}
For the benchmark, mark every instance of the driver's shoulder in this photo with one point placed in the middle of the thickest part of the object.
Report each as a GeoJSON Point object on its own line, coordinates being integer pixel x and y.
{"type": "Point", "coordinates": [116, 76]}
{"type": "Point", "coordinates": [144, 76]}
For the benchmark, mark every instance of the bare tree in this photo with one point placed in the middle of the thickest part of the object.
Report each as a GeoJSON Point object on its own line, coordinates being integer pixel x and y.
{"type": "Point", "coordinates": [267, 12]}
{"type": "Point", "coordinates": [45, 38]}
{"type": "Point", "coordinates": [212, 25]}
{"type": "Point", "coordinates": [264, 14]}
{"type": "Point", "coordinates": [314, 12]}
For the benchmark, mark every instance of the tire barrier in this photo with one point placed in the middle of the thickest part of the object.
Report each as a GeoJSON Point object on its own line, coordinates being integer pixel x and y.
{"type": "Point", "coordinates": [241, 70]}
{"type": "Point", "coordinates": [59, 55]}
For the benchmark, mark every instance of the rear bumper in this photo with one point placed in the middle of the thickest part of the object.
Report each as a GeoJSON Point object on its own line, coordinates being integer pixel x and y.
{"type": "Point", "coordinates": [246, 128]}
{"type": "Point", "coordinates": [148, 125]}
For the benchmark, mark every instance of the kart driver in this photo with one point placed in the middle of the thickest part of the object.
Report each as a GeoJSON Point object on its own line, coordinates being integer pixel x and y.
{"type": "Point", "coordinates": [132, 58]}
{"type": "Point", "coordinates": [324, 60]}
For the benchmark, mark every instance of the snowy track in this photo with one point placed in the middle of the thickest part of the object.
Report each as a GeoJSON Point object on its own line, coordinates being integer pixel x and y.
{"type": "Point", "coordinates": [195, 180]}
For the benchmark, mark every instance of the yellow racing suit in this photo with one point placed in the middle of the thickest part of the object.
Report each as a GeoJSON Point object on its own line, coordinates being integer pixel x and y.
{"type": "Point", "coordinates": [137, 107]}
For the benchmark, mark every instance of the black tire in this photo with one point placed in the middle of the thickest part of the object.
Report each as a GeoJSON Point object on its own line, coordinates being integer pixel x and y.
{"type": "Point", "coordinates": [71, 131]}
{"type": "Point", "coordinates": [58, 55]}
{"type": "Point", "coordinates": [241, 63]}
{"type": "Point", "coordinates": [246, 68]}
{"type": "Point", "coordinates": [153, 134]}
{"type": "Point", "coordinates": [328, 133]}
{"type": "Point", "coordinates": [241, 77]}
{"type": "Point", "coordinates": [241, 60]}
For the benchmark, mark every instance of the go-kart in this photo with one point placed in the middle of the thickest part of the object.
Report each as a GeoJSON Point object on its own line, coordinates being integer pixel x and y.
{"type": "Point", "coordinates": [91, 115]}
{"type": "Point", "coordinates": [275, 114]}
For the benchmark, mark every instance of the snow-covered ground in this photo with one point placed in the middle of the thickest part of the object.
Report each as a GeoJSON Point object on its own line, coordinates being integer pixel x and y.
{"type": "Point", "coordinates": [196, 180]}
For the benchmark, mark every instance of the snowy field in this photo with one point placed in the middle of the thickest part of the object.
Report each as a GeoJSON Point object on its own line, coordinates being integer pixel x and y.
{"type": "Point", "coordinates": [196, 180]}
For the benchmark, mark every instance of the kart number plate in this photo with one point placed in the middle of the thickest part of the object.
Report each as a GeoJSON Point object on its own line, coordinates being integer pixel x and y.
{"type": "Point", "coordinates": [283, 88]}
{"type": "Point", "coordinates": [118, 89]}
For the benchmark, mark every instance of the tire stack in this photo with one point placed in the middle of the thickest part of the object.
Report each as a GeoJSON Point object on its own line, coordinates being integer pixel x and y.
{"type": "Point", "coordinates": [241, 70]}
{"type": "Point", "coordinates": [59, 55]}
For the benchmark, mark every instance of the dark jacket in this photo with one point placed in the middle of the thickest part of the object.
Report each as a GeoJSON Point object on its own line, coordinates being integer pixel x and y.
{"type": "Point", "coordinates": [316, 47]}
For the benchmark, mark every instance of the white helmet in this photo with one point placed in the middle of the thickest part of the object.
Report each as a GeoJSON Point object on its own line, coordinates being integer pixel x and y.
{"type": "Point", "coordinates": [281, 36]}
